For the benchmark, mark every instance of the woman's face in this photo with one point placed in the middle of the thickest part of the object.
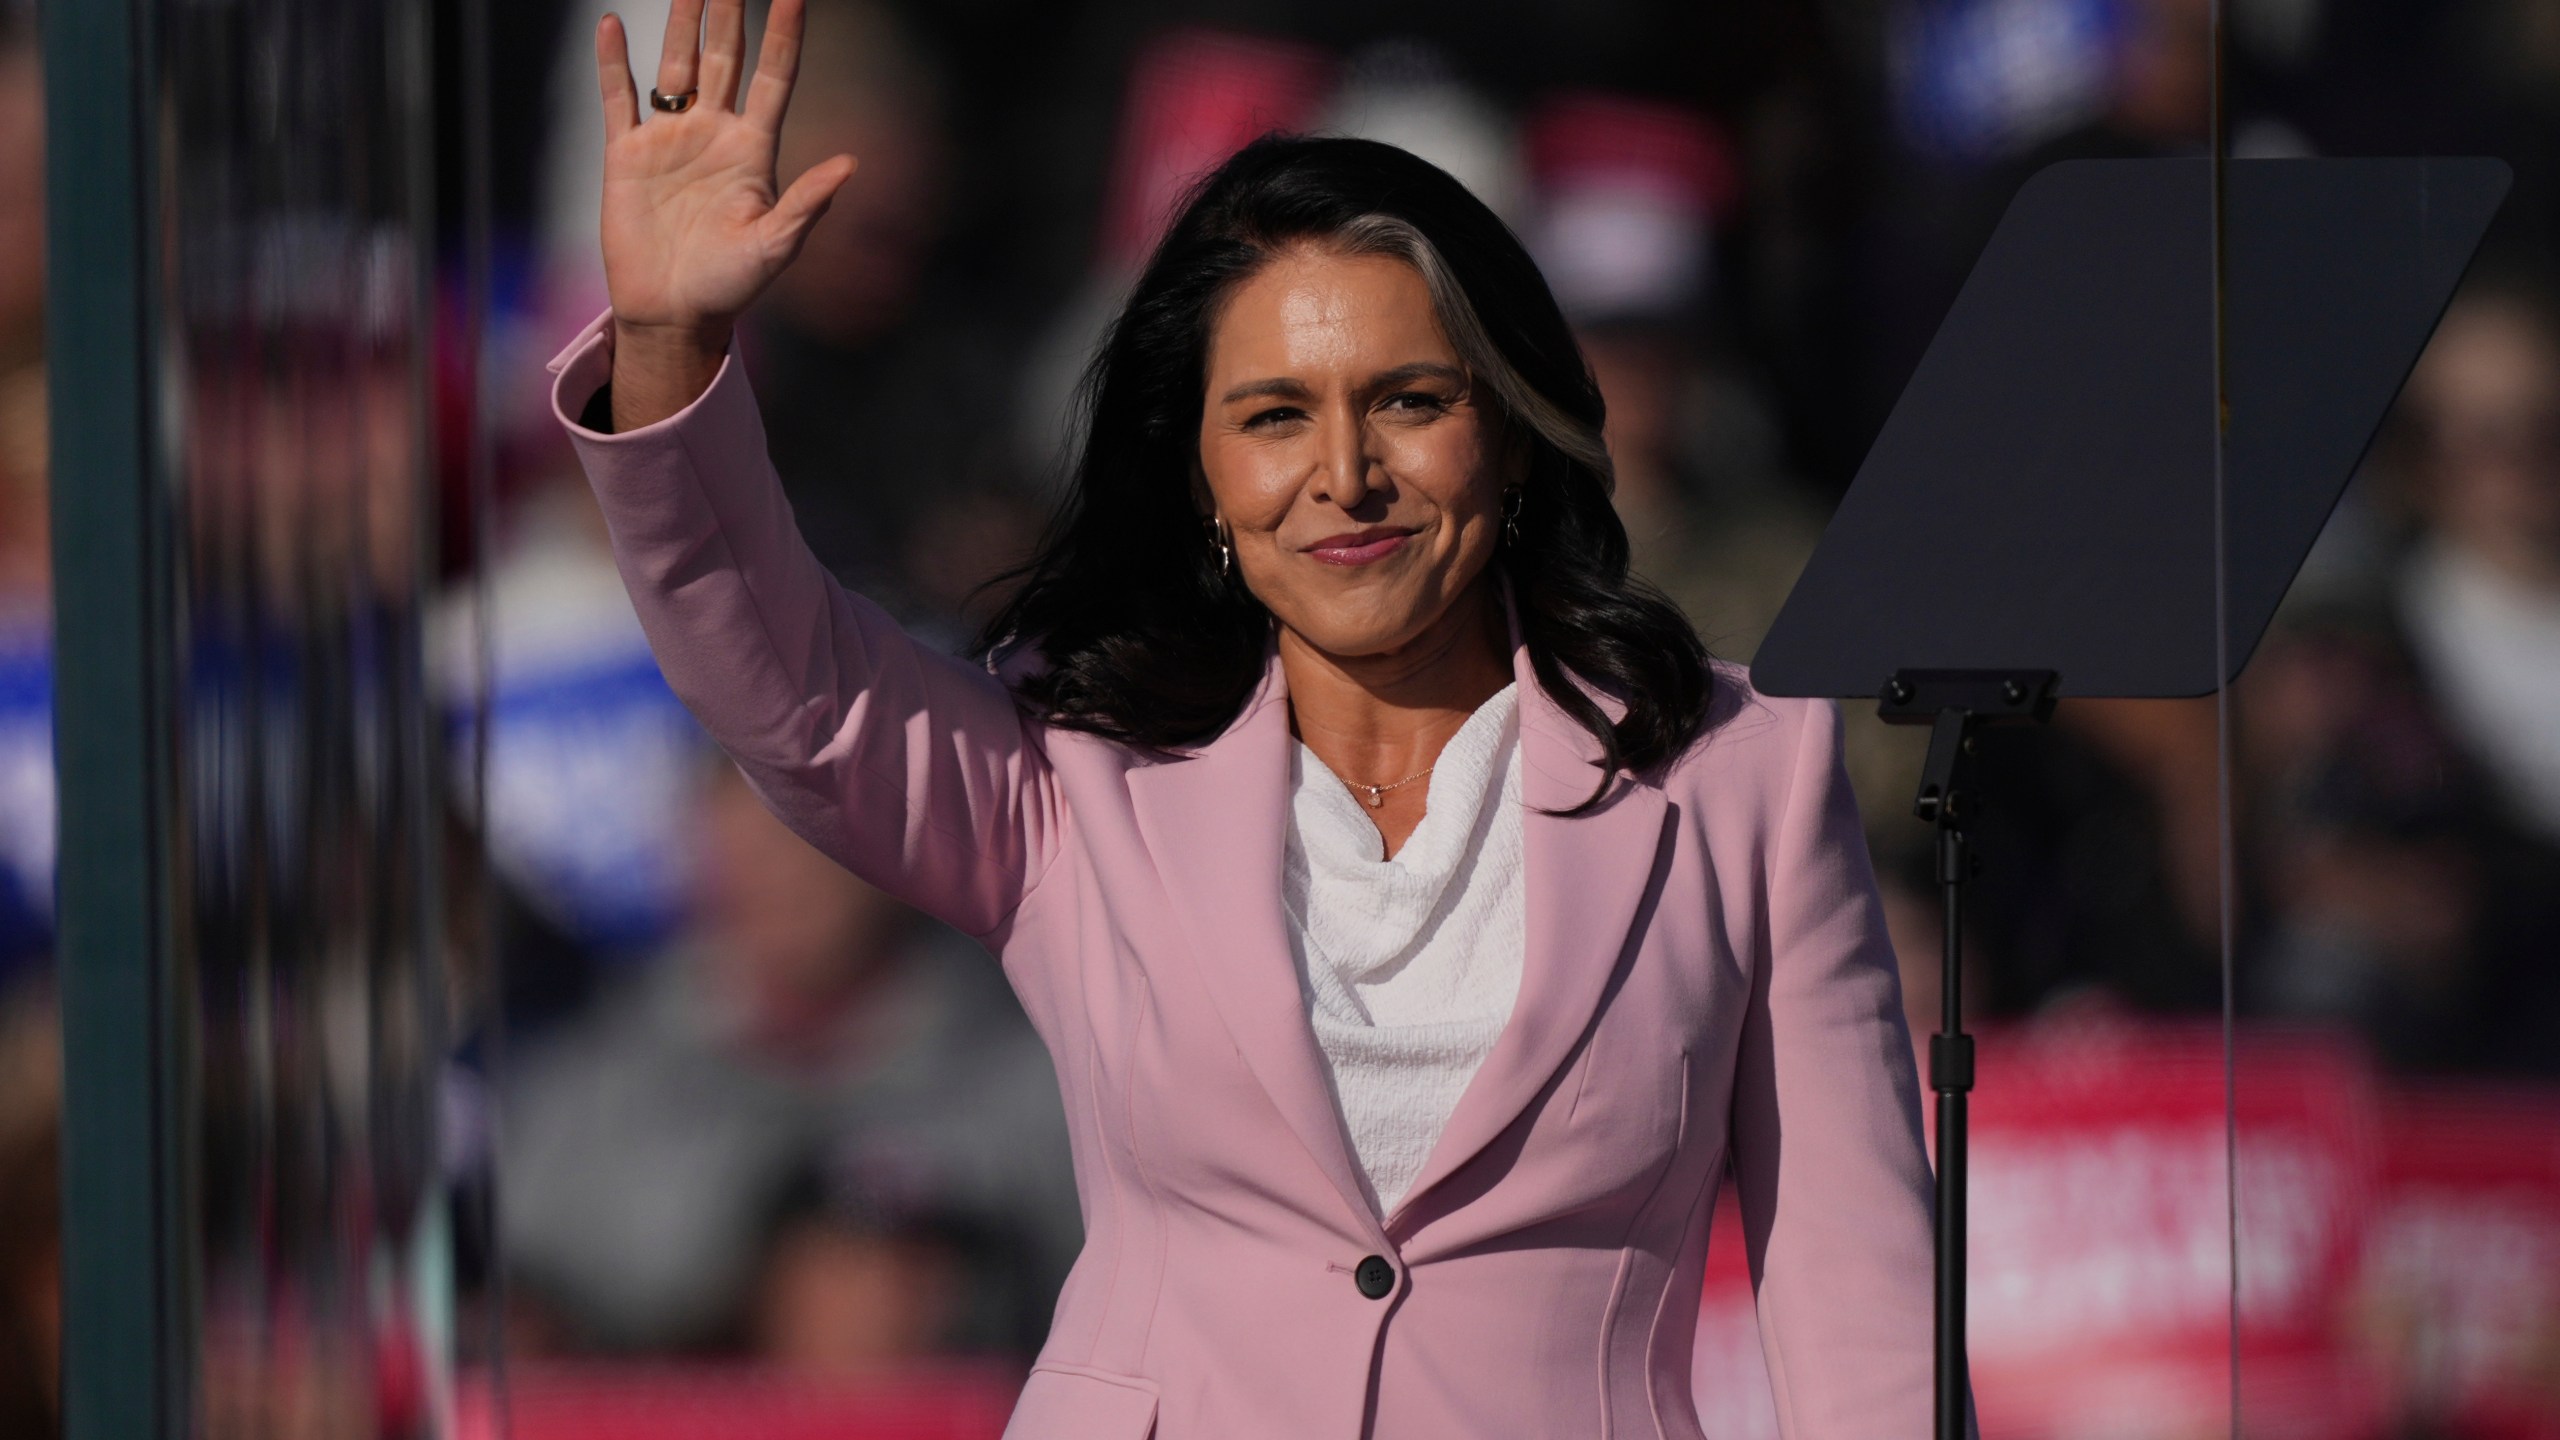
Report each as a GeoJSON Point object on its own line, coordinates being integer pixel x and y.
{"type": "Point", "coordinates": [1343, 448]}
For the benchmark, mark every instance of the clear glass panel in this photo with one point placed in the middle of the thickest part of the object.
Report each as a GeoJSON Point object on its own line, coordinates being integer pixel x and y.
{"type": "Point", "coordinates": [2099, 1264]}
{"type": "Point", "coordinates": [30, 1069]}
{"type": "Point", "coordinates": [318, 949]}
{"type": "Point", "coordinates": [2393, 780]}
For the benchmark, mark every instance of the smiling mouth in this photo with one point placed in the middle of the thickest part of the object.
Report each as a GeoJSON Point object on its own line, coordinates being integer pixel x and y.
{"type": "Point", "coordinates": [1362, 548]}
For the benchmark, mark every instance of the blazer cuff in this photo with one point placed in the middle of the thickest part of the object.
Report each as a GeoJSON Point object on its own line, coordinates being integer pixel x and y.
{"type": "Point", "coordinates": [584, 367]}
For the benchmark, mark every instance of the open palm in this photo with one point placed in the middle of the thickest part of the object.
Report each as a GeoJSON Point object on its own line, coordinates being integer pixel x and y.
{"type": "Point", "coordinates": [694, 227]}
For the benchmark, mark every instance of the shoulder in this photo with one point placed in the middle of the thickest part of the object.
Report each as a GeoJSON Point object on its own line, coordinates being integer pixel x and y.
{"type": "Point", "coordinates": [1747, 727]}
{"type": "Point", "coordinates": [1753, 749]}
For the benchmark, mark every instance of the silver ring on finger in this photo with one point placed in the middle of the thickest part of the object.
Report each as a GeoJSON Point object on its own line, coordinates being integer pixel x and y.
{"type": "Point", "coordinates": [675, 104]}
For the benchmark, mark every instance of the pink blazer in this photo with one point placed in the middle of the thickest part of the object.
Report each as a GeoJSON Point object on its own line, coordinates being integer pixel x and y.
{"type": "Point", "coordinates": [1707, 978]}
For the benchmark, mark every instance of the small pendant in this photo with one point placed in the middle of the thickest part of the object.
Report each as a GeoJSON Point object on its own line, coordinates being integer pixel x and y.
{"type": "Point", "coordinates": [1377, 798]}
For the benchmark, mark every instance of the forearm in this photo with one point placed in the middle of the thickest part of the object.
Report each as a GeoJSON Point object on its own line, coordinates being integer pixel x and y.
{"type": "Point", "coordinates": [909, 767]}
{"type": "Point", "coordinates": [1826, 1114]}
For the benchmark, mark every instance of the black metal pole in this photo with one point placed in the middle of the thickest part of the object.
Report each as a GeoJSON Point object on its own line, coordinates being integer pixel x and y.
{"type": "Point", "coordinates": [1952, 703]}
{"type": "Point", "coordinates": [127, 1359]}
{"type": "Point", "coordinates": [1951, 1075]}
{"type": "Point", "coordinates": [1944, 802]}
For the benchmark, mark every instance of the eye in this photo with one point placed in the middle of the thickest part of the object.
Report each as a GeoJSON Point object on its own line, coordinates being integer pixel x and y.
{"type": "Point", "coordinates": [1276, 415]}
{"type": "Point", "coordinates": [1415, 403]}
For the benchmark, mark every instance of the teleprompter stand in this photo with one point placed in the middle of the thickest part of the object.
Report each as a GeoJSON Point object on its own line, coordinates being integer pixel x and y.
{"type": "Point", "coordinates": [2104, 475]}
{"type": "Point", "coordinates": [1951, 703]}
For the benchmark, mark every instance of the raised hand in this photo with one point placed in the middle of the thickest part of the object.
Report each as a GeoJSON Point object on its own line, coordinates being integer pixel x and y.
{"type": "Point", "coordinates": [694, 228]}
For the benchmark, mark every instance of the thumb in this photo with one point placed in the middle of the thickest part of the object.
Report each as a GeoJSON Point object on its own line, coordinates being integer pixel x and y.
{"type": "Point", "coordinates": [807, 199]}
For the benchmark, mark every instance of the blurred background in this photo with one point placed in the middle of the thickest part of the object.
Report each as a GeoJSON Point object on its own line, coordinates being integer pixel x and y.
{"type": "Point", "coordinates": [538, 1083]}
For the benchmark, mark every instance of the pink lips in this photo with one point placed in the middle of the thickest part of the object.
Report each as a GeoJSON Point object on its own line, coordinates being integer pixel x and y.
{"type": "Point", "coordinates": [1365, 547]}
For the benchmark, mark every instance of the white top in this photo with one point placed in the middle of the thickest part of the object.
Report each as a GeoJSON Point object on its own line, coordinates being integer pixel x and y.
{"type": "Point", "coordinates": [1409, 966]}
{"type": "Point", "coordinates": [2492, 648]}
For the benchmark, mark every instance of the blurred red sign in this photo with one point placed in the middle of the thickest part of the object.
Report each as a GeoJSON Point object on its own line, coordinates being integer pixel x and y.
{"type": "Point", "coordinates": [2100, 1224]}
{"type": "Point", "coordinates": [710, 1402]}
{"type": "Point", "coordinates": [1197, 96]}
{"type": "Point", "coordinates": [2461, 1273]}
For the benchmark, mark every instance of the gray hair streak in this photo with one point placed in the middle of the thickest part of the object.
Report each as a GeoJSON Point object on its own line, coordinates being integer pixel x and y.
{"type": "Point", "coordinates": [1375, 234]}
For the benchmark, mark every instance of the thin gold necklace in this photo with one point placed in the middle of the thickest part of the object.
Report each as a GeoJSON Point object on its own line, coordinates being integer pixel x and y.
{"type": "Point", "coordinates": [1378, 793]}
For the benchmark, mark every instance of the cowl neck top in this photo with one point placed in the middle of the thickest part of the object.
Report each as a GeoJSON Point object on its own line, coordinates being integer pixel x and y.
{"type": "Point", "coordinates": [1409, 966]}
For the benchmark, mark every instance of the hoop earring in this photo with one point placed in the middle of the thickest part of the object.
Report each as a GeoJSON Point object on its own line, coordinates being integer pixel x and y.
{"type": "Point", "coordinates": [1224, 539]}
{"type": "Point", "coordinates": [1511, 500]}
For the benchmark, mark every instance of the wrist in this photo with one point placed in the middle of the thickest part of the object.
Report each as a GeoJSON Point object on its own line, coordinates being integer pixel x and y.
{"type": "Point", "coordinates": [660, 369]}
{"type": "Point", "coordinates": [683, 343]}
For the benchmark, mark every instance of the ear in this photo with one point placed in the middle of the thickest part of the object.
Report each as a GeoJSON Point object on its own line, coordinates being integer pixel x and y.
{"type": "Point", "coordinates": [1513, 450]}
{"type": "Point", "coordinates": [1202, 499]}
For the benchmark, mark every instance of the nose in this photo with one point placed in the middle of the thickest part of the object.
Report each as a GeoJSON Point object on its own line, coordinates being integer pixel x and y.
{"type": "Point", "coordinates": [1344, 473]}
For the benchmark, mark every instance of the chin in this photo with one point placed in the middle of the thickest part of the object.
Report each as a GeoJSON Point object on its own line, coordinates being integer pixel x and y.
{"type": "Point", "coordinates": [1363, 614]}
{"type": "Point", "coordinates": [1361, 645]}
{"type": "Point", "coordinates": [1363, 632]}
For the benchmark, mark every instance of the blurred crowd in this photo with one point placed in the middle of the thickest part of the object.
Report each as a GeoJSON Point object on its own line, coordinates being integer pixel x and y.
{"type": "Point", "coordinates": [729, 1101]}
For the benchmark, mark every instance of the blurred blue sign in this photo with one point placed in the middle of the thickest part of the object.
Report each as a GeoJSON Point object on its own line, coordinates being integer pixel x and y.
{"type": "Point", "coordinates": [1976, 80]}
{"type": "Point", "coordinates": [26, 799]}
{"type": "Point", "coordinates": [593, 765]}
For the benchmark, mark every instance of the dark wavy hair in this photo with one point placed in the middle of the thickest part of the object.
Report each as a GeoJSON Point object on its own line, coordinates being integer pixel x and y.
{"type": "Point", "coordinates": [1147, 641]}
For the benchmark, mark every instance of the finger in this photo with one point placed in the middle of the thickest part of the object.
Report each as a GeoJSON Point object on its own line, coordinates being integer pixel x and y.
{"type": "Point", "coordinates": [777, 66]}
{"type": "Point", "coordinates": [613, 77]}
{"type": "Point", "coordinates": [724, 49]}
{"type": "Point", "coordinates": [807, 199]}
{"type": "Point", "coordinates": [679, 53]}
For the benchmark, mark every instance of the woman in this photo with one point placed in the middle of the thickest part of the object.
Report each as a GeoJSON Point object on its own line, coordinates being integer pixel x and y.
{"type": "Point", "coordinates": [1399, 1099]}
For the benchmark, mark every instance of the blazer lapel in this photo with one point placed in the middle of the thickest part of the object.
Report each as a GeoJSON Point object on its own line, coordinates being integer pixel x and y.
{"type": "Point", "coordinates": [1585, 877]}
{"type": "Point", "coordinates": [1215, 822]}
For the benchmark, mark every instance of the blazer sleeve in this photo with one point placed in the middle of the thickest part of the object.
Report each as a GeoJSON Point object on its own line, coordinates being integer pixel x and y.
{"type": "Point", "coordinates": [911, 768]}
{"type": "Point", "coordinates": [1836, 1191]}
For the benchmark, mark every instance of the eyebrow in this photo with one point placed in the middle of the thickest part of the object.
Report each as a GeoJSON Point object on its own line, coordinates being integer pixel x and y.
{"type": "Point", "coordinates": [1277, 385]}
{"type": "Point", "coordinates": [1291, 386]}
